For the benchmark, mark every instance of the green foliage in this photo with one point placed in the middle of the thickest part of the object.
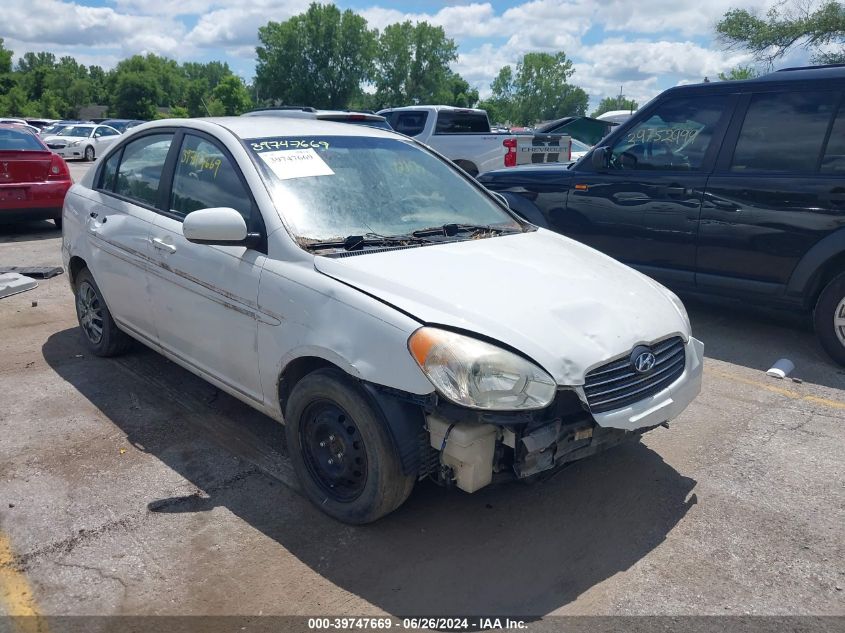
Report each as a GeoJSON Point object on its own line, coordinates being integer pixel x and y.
{"type": "Point", "coordinates": [739, 73]}
{"type": "Point", "coordinates": [412, 66]}
{"type": "Point", "coordinates": [539, 90]}
{"type": "Point", "coordinates": [136, 95]}
{"type": "Point", "coordinates": [5, 59]}
{"type": "Point", "coordinates": [232, 95]}
{"type": "Point", "coordinates": [786, 25]}
{"type": "Point", "coordinates": [319, 58]}
{"type": "Point", "coordinates": [614, 103]}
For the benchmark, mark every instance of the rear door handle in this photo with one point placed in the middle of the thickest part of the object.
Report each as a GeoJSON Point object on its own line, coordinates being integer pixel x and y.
{"type": "Point", "coordinates": [675, 191]}
{"type": "Point", "coordinates": [162, 245]}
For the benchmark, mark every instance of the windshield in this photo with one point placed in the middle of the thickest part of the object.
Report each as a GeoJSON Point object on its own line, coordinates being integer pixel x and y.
{"type": "Point", "coordinates": [74, 130]}
{"type": "Point", "coordinates": [333, 187]}
{"type": "Point", "coordinates": [55, 128]}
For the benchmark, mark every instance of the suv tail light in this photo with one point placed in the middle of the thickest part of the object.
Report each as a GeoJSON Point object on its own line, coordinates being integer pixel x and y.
{"type": "Point", "coordinates": [58, 169]}
{"type": "Point", "coordinates": [510, 156]}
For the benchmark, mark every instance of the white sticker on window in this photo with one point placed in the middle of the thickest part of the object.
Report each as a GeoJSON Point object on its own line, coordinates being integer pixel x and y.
{"type": "Point", "coordinates": [296, 163]}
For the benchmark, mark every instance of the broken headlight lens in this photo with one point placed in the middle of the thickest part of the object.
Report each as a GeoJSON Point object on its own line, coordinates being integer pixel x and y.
{"type": "Point", "coordinates": [479, 375]}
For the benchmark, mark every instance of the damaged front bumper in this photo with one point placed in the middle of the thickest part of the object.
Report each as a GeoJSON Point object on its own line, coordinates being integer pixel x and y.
{"type": "Point", "coordinates": [467, 447]}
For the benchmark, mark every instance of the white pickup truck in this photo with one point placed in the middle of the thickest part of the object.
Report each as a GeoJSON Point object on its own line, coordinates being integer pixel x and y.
{"type": "Point", "coordinates": [463, 135]}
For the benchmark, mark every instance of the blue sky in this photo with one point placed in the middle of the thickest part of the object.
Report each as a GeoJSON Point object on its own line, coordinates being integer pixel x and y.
{"type": "Point", "coordinates": [642, 46]}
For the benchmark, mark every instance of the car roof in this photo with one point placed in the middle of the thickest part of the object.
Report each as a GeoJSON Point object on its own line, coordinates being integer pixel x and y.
{"type": "Point", "coordinates": [785, 76]}
{"type": "Point", "coordinates": [312, 113]}
{"type": "Point", "coordinates": [257, 126]}
{"type": "Point", "coordinates": [437, 108]}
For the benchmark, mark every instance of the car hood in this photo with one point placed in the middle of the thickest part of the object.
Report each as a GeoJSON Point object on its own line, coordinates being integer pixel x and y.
{"type": "Point", "coordinates": [563, 304]}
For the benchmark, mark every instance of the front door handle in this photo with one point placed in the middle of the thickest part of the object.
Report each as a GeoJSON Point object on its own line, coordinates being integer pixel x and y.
{"type": "Point", "coordinates": [162, 245]}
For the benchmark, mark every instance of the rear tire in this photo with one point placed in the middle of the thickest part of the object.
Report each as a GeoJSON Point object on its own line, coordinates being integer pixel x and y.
{"type": "Point", "coordinates": [829, 318]}
{"type": "Point", "coordinates": [342, 451]}
{"type": "Point", "coordinates": [89, 153]}
{"type": "Point", "coordinates": [468, 167]}
{"type": "Point", "coordinates": [100, 334]}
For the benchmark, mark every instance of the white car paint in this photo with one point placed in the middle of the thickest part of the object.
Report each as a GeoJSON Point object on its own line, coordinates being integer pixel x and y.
{"type": "Point", "coordinates": [238, 316]}
{"type": "Point", "coordinates": [69, 145]}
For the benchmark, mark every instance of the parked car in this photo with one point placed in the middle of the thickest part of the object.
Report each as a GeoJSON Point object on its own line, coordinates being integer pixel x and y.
{"type": "Point", "coordinates": [340, 116]}
{"type": "Point", "coordinates": [616, 117]}
{"type": "Point", "coordinates": [406, 323]}
{"type": "Point", "coordinates": [55, 127]}
{"type": "Point", "coordinates": [33, 180]}
{"type": "Point", "coordinates": [41, 123]}
{"type": "Point", "coordinates": [464, 136]}
{"type": "Point", "coordinates": [85, 140]}
{"type": "Point", "coordinates": [734, 189]}
{"type": "Point", "coordinates": [121, 125]}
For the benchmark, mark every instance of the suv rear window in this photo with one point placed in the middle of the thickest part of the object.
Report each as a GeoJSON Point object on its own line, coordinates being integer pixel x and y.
{"type": "Point", "coordinates": [784, 131]}
{"type": "Point", "coordinates": [461, 123]}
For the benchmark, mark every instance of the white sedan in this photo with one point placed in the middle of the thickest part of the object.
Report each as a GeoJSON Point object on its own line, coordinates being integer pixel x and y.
{"type": "Point", "coordinates": [83, 140]}
{"type": "Point", "coordinates": [398, 318]}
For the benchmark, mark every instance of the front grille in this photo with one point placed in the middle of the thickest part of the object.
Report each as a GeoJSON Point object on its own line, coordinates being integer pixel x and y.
{"type": "Point", "coordinates": [617, 384]}
{"type": "Point", "coordinates": [54, 146]}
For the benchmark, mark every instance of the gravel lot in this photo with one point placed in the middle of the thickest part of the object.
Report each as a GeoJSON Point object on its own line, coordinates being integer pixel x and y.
{"type": "Point", "coordinates": [128, 486]}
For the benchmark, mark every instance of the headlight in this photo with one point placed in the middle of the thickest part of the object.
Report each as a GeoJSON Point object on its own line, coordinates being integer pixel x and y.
{"type": "Point", "coordinates": [74, 143]}
{"type": "Point", "coordinates": [679, 306]}
{"type": "Point", "coordinates": [476, 374]}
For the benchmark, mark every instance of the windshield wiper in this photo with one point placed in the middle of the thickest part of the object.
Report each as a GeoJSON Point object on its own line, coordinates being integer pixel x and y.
{"type": "Point", "coordinates": [358, 242]}
{"type": "Point", "coordinates": [449, 230]}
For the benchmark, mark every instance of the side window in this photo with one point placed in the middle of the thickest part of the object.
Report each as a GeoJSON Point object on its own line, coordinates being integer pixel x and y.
{"type": "Point", "coordinates": [784, 131]}
{"type": "Point", "coordinates": [206, 178]}
{"type": "Point", "coordinates": [140, 170]}
{"type": "Point", "coordinates": [100, 131]}
{"type": "Point", "coordinates": [834, 155]}
{"type": "Point", "coordinates": [408, 123]}
{"type": "Point", "coordinates": [675, 137]}
{"type": "Point", "coordinates": [109, 173]}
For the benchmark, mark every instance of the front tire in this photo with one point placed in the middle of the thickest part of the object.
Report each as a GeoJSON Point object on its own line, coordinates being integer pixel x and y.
{"type": "Point", "coordinates": [100, 334]}
{"type": "Point", "coordinates": [342, 451]}
{"type": "Point", "coordinates": [89, 153]}
{"type": "Point", "coordinates": [829, 318]}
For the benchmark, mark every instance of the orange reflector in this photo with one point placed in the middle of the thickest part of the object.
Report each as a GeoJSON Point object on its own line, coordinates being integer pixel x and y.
{"type": "Point", "coordinates": [420, 344]}
{"type": "Point", "coordinates": [581, 187]}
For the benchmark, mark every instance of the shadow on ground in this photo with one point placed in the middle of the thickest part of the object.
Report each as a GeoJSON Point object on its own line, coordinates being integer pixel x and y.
{"type": "Point", "coordinates": [743, 334]}
{"type": "Point", "coordinates": [28, 231]}
{"type": "Point", "coordinates": [509, 549]}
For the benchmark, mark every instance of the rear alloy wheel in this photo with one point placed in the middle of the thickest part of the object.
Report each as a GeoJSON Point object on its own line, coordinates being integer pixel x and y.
{"type": "Point", "coordinates": [100, 334]}
{"type": "Point", "coordinates": [341, 449]}
{"type": "Point", "coordinates": [829, 318]}
{"type": "Point", "coordinates": [89, 153]}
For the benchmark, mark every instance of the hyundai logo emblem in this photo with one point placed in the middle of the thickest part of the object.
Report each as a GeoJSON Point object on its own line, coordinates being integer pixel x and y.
{"type": "Point", "coordinates": [643, 360]}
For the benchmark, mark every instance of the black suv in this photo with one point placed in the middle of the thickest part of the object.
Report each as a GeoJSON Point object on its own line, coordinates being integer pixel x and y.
{"type": "Point", "coordinates": [732, 188]}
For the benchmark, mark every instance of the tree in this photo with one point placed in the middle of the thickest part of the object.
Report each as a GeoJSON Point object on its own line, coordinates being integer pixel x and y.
{"type": "Point", "coordinates": [412, 65]}
{"type": "Point", "coordinates": [136, 95]}
{"type": "Point", "coordinates": [232, 95]}
{"type": "Point", "coordinates": [539, 90]}
{"type": "Point", "coordinates": [739, 73]}
{"type": "Point", "coordinates": [785, 26]}
{"type": "Point", "coordinates": [319, 58]}
{"type": "Point", "coordinates": [615, 103]}
{"type": "Point", "coordinates": [5, 59]}
{"type": "Point", "coordinates": [460, 93]}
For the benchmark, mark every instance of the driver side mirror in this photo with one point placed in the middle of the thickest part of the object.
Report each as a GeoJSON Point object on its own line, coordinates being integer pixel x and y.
{"type": "Point", "coordinates": [219, 225]}
{"type": "Point", "coordinates": [600, 158]}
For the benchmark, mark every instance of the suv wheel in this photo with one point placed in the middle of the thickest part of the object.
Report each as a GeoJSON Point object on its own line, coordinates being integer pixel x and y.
{"type": "Point", "coordinates": [829, 318]}
{"type": "Point", "coordinates": [100, 334]}
{"type": "Point", "coordinates": [342, 451]}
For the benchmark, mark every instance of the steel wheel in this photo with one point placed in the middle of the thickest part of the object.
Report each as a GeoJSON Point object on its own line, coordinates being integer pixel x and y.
{"type": "Point", "coordinates": [839, 321]}
{"type": "Point", "coordinates": [90, 311]}
{"type": "Point", "coordinates": [333, 451]}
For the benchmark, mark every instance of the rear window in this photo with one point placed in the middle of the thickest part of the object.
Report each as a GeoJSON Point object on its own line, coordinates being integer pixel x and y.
{"type": "Point", "coordinates": [19, 140]}
{"type": "Point", "coordinates": [784, 131]}
{"type": "Point", "coordinates": [408, 123]}
{"type": "Point", "coordinates": [461, 123]}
